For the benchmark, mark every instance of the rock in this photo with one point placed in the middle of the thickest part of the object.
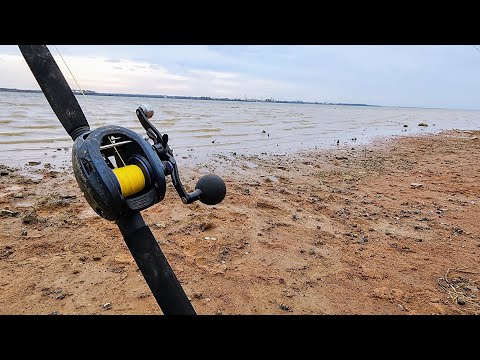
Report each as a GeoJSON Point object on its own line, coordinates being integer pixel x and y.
{"type": "Point", "coordinates": [4, 173]}
{"type": "Point", "coordinates": [19, 195]}
{"type": "Point", "coordinates": [271, 179]}
{"type": "Point", "coordinates": [60, 297]}
{"type": "Point", "coordinates": [24, 232]}
{"type": "Point", "coordinates": [295, 217]}
{"type": "Point", "coordinates": [206, 226]}
{"type": "Point", "coordinates": [423, 124]}
{"type": "Point", "coordinates": [405, 125]}
{"type": "Point", "coordinates": [341, 157]}
{"type": "Point", "coordinates": [34, 163]}
{"type": "Point", "coordinates": [30, 218]}
{"type": "Point", "coordinates": [263, 131]}
{"type": "Point", "coordinates": [415, 185]}
{"type": "Point", "coordinates": [47, 165]}
{"type": "Point", "coordinates": [8, 213]}
{"type": "Point", "coordinates": [160, 225]}
{"type": "Point", "coordinates": [107, 306]}
{"type": "Point", "coordinates": [97, 258]}
{"type": "Point", "coordinates": [461, 300]}
{"type": "Point", "coordinates": [83, 258]}
{"type": "Point", "coordinates": [285, 307]}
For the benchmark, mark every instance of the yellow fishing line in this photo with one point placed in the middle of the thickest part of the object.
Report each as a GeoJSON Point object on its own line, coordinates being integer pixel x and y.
{"type": "Point", "coordinates": [131, 179]}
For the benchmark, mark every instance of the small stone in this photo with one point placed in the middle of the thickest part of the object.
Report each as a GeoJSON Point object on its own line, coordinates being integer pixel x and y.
{"type": "Point", "coordinates": [83, 258]}
{"type": "Point", "coordinates": [341, 157]}
{"type": "Point", "coordinates": [30, 218]}
{"type": "Point", "coordinates": [60, 297]}
{"type": "Point", "coordinates": [18, 195]}
{"type": "Point", "coordinates": [219, 312]}
{"type": "Point", "coordinates": [24, 232]}
{"type": "Point", "coordinates": [295, 217]}
{"type": "Point", "coordinates": [97, 258]}
{"type": "Point", "coordinates": [415, 185]}
{"type": "Point", "coordinates": [207, 237]}
{"type": "Point", "coordinates": [8, 213]}
{"type": "Point", "coordinates": [107, 306]}
{"type": "Point", "coordinates": [3, 173]}
{"type": "Point", "coordinates": [405, 125]}
{"type": "Point", "coordinates": [160, 225]}
{"type": "Point", "coordinates": [461, 300]}
{"type": "Point", "coordinates": [284, 307]}
{"type": "Point", "coordinates": [263, 131]}
{"type": "Point", "coordinates": [271, 179]}
{"type": "Point", "coordinates": [206, 226]}
{"type": "Point", "coordinates": [34, 163]}
{"type": "Point", "coordinates": [423, 124]}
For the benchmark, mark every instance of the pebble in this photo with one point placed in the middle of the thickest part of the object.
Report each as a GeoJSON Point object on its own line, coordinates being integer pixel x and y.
{"type": "Point", "coordinates": [405, 125]}
{"type": "Point", "coordinates": [461, 300]}
{"type": "Point", "coordinates": [3, 173]}
{"type": "Point", "coordinates": [19, 195]}
{"type": "Point", "coordinates": [34, 163]}
{"type": "Point", "coordinates": [24, 232]}
{"type": "Point", "coordinates": [60, 297]}
{"type": "Point", "coordinates": [284, 307]}
{"type": "Point", "coordinates": [8, 212]}
{"type": "Point", "coordinates": [160, 225]}
{"type": "Point", "coordinates": [295, 217]}
{"type": "Point", "coordinates": [416, 185]}
{"type": "Point", "coordinates": [107, 306]}
{"type": "Point", "coordinates": [423, 124]}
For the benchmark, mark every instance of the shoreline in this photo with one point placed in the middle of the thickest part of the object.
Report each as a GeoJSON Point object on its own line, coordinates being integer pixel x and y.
{"type": "Point", "coordinates": [329, 231]}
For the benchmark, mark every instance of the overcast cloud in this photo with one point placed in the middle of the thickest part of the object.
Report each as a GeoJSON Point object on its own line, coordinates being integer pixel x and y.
{"type": "Point", "coordinates": [419, 75]}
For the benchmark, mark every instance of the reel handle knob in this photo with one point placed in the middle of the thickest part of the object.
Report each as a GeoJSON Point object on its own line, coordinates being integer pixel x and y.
{"type": "Point", "coordinates": [213, 189]}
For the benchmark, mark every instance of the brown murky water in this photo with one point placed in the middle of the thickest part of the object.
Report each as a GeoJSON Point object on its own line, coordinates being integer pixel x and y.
{"type": "Point", "coordinates": [30, 131]}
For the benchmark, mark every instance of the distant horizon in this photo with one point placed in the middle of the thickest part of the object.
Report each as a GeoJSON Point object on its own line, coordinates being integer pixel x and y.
{"type": "Point", "coordinates": [208, 98]}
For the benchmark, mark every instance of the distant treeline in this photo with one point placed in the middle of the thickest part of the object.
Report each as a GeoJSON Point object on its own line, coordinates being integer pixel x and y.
{"type": "Point", "coordinates": [271, 100]}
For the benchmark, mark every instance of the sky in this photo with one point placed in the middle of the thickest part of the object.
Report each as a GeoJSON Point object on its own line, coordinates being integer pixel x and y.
{"type": "Point", "coordinates": [434, 76]}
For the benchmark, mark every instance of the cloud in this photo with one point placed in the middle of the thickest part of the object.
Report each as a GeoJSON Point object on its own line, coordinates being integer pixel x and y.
{"type": "Point", "coordinates": [431, 76]}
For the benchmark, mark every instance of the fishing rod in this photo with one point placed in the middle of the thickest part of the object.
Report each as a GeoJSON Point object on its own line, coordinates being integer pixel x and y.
{"type": "Point", "coordinates": [121, 173]}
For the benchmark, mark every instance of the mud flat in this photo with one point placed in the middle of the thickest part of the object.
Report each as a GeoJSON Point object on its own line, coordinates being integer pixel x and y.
{"type": "Point", "coordinates": [389, 228]}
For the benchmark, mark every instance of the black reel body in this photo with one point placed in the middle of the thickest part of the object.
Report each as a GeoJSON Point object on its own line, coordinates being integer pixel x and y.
{"type": "Point", "coordinates": [97, 153]}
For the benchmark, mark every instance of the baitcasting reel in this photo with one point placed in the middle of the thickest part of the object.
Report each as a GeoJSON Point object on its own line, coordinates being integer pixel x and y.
{"type": "Point", "coordinates": [120, 172]}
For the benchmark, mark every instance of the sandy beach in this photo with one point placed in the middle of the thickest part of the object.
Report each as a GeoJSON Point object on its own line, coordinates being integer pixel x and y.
{"type": "Point", "coordinates": [388, 228]}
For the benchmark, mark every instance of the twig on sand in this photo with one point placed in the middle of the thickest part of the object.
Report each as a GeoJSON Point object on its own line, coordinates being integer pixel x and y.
{"type": "Point", "coordinates": [456, 287]}
{"type": "Point", "coordinates": [463, 131]}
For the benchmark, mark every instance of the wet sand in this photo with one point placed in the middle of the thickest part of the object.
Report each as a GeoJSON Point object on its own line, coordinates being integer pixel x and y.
{"type": "Point", "coordinates": [391, 228]}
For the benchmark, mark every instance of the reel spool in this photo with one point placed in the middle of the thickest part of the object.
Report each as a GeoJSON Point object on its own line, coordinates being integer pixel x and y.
{"type": "Point", "coordinates": [121, 172]}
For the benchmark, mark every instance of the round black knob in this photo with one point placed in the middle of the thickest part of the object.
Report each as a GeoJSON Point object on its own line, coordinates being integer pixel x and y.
{"type": "Point", "coordinates": [213, 189]}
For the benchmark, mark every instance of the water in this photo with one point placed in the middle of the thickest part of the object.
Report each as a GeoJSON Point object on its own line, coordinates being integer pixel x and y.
{"type": "Point", "coordinates": [30, 131]}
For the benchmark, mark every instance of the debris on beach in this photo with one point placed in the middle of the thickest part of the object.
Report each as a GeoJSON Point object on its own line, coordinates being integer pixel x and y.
{"type": "Point", "coordinates": [423, 124]}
